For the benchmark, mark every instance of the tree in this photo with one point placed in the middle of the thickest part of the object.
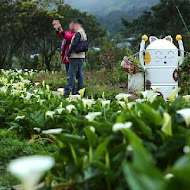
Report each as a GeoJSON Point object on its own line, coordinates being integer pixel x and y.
{"type": "Point", "coordinates": [21, 27]}
{"type": "Point", "coordinates": [26, 28]}
{"type": "Point", "coordinates": [163, 19]}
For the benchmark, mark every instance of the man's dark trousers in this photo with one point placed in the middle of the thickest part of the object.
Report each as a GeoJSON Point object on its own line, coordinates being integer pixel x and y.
{"type": "Point", "coordinates": [75, 70]}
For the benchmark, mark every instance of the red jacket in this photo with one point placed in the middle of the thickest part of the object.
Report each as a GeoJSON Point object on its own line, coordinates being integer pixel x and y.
{"type": "Point", "coordinates": [67, 37]}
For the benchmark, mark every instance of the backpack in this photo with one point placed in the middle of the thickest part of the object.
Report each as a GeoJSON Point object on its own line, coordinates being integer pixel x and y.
{"type": "Point", "coordinates": [82, 46]}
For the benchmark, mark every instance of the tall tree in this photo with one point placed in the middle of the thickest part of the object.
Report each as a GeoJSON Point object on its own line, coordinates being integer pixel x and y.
{"type": "Point", "coordinates": [26, 28]}
{"type": "Point", "coordinates": [168, 17]}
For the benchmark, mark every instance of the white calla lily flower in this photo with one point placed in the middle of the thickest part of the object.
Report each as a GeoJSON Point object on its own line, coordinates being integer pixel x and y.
{"type": "Point", "coordinates": [26, 81]}
{"type": "Point", "coordinates": [30, 169]}
{"type": "Point", "coordinates": [47, 88]}
{"type": "Point", "coordinates": [69, 108]}
{"type": "Point", "coordinates": [74, 98]}
{"type": "Point", "coordinates": [105, 103]}
{"type": "Point", "coordinates": [52, 131]}
{"type": "Point", "coordinates": [41, 101]}
{"type": "Point", "coordinates": [37, 83]}
{"type": "Point", "coordinates": [169, 176]}
{"type": "Point", "coordinates": [37, 129]}
{"type": "Point", "coordinates": [92, 115]}
{"type": "Point", "coordinates": [50, 114]}
{"type": "Point", "coordinates": [155, 89]}
{"type": "Point", "coordinates": [19, 117]}
{"type": "Point", "coordinates": [130, 105]}
{"type": "Point", "coordinates": [185, 113]}
{"type": "Point", "coordinates": [149, 95]}
{"type": "Point", "coordinates": [62, 90]}
{"type": "Point", "coordinates": [88, 102]}
{"type": "Point", "coordinates": [60, 110]}
{"type": "Point", "coordinates": [172, 96]}
{"type": "Point", "coordinates": [121, 126]}
{"type": "Point", "coordinates": [129, 148]}
{"type": "Point", "coordinates": [92, 129]}
{"type": "Point", "coordinates": [123, 96]}
{"type": "Point", "coordinates": [3, 89]}
{"type": "Point", "coordinates": [28, 96]}
{"type": "Point", "coordinates": [122, 104]}
{"type": "Point", "coordinates": [35, 91]}
{"type": "Point", "coordinates": [81, 92]}
{"type": "Point", "coordinates": [140, 100]}
{"type": "Point", "coordinates": [187, 98]}
{"type": "Point", "coordinates": [167, 126]}
{"type": "Point", "coordinates": [186, 149]}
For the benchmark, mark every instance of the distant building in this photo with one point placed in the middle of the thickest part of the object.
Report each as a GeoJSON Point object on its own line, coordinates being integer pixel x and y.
{"type": "Point", "coordinates": [34, 56]}
{"type": "Point", "coordinates": [125, 43]}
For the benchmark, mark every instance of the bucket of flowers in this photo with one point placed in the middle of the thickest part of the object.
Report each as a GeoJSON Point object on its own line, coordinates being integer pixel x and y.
{"type": "Point", "coordinates": [131, 65]}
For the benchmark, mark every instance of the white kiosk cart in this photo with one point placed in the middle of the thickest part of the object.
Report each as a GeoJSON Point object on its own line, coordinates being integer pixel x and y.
{"type": "Point", "coordinates": [160, 61]}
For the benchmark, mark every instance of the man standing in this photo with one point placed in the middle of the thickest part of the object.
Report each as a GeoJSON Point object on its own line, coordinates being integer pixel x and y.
{"type": "Point", "coordinates": [76, 59]}
{"type": "Point", "coordinates": [67, 37]}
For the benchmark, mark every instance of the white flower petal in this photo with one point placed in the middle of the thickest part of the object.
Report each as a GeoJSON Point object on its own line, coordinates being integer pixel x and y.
{"type": "Point", "coordinates": [185, 113]}
{"type": "Point", "coordinates": [88, 102]}
{"type": "Point", "coordinates": [92, 129]}
{"type": "Point", "coordinates": [149, 95]}
{"type": "Point", "coordinates": [30, 169]}
{"type": "Point", "coordinates": [74, 98]}
{"type": "Point", "coordinates": [60, 110]}
{"type": "Point", "coordinates": [50, 114]}
{"type": "Point", "coordinates": [105, 103]}
{"type": "Point", "coordinates": [123, 96]}
{"type": "Point", "coordinates": [37, 129]}
{"type": "Point", "coordinates": [19, 117]}
{"type": "Point", "coordinates": [52, 131]}
{"type": "Point", "coordinates": [122, 104]}
{"type": "Point", "coordinates": [169, 176]}
{"type": "Point", "coordinates": [121, 126]}
{"type": "Point", "coordinates": [61, 90]}
{"type": "Point", "coordinates": [70, 108]}
{"type": "Point", "coordinates": [186, 149]}
{"type": "Point", "coordinates": [187, 98]}
{"type": "Point", "coordinates": [172, 96]}
{"type": "Point", "coordinates": [92, 115]}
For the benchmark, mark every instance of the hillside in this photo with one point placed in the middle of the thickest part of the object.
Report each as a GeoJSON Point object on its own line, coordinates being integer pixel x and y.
{"type": "Point", "coordinates": [110, 12]}
{"type": "Point", "coordinates": [99, 7]}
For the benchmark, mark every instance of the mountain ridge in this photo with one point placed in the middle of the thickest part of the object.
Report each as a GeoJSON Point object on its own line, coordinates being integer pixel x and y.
{"type": "Point", "coordinates": [110, 12]}
{"type": "Point", "coordinates": [100, 7]}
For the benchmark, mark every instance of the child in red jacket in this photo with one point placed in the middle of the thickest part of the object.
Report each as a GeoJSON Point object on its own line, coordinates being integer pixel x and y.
{"type": "Point", "coordinates": [67, 37]}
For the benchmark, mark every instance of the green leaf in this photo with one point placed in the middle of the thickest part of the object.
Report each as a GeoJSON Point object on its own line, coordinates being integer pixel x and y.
{"type": "Point", "coordinates": [146, 130]}
{"type": "Point", "coordinates": [141, 180]}
{"type": "Point", "coordinates": [181, 173]}
{"type": "Point", "coordinates": [102, 149]}
{"type": "Point", "coordinates": [151, 115]}
{"type": "Point", "coordinates": [91, 136]}
{"type": "Point", "coordinates": [167, 126]}
{"type": "Point", "coordinates": [72, 139]}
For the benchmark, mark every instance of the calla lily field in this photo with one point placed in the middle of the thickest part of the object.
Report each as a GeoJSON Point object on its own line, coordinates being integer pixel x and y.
{"type": "Point", "coordinates": [115, 143]}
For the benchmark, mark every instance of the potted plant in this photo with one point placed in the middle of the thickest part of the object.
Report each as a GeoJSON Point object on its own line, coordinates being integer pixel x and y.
{"type": "Point", "coordinates": [135, 73]}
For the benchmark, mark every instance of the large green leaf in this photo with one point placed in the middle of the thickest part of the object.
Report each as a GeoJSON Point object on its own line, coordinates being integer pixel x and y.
{"type": "Point", "coordinates": [102, 149]}
{"type": "Point", "coordinates": [91, 136]}
{"type": "Point", "coordinates": [151, 115]}
{"type": "Point", "coordinates": [72, 139]}
{"type": "Point", "coordinates": [167, 126]}
{"type": "Point", "coordinates": [139, 124]}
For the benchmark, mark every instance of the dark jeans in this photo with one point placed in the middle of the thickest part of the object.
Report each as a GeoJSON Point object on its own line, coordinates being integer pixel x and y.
{"type": "Point", "coordinates": [75, 71]}
{"type": "Point", "coordinates": [67, 67]}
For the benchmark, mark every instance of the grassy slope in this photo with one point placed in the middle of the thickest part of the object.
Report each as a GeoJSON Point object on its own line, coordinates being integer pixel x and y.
{"type": "Point", "coordinates": [96, 82]}
{"type": "Point", "coordinates": [13, 146]}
